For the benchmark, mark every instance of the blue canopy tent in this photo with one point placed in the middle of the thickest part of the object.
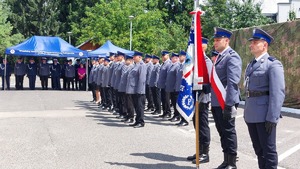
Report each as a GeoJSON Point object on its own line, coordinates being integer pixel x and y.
{"type": "Point", "coordinates": [106, 48]}
{"type": "Point", "coordinates": [45, 46]}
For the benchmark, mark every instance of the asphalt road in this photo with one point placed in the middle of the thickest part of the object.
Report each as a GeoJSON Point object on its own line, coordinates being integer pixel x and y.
{"type": "Point", "coordinates": [62, 129]}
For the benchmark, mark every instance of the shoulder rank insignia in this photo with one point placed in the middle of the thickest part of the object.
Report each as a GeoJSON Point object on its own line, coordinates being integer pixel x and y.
{"type": "Point", "coordinates": [271, 58]}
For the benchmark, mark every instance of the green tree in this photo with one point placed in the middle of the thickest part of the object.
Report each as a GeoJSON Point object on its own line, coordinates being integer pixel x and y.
{"type": "Point", "coordinates": [35, 17]}
{"type": "Point", "coordinates": [7, 38]}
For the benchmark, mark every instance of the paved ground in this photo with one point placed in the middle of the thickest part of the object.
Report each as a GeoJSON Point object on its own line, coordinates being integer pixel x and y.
{"type": "Point", "coordinates": [62, 129]}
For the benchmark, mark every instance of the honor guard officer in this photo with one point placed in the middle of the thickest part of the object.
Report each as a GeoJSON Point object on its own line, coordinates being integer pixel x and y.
{"type": "Point", "coordinates": [204, 130]}
{"type": "Point", "coordinates": [264, 84]}
{"type": "Point", "coordinates": [182, 57]}
{"type": "Point", "coordinates": [110, 89]}
{"type": "Point", "coordinates": [114, 91]}
{"type": "Point", "coordinates": [5, 73]}
{"type": "Point", "coordinates": [228, 67]}
{"type": "Point", "coordinates": [20, 71]}
{"type": "Point", "coordinates": [44, 72]}
{"type": "Point", "coordinates": [104, 85]}
{"type": "Point", "coordinates": [149, 65]}
{"type": "Point", "coordinates": [126, 99]}
{"type": "Point", "coordinates": [31, 73]}
{"type": "Point", "coordinates": [172, 86]}
{"type": "Point", "coordinates": [70, 74]}
{"type": "Point", "coordinates": [55, 74]}
{"type": "Point", "coordinates": [118, 73]}
{"type": "Point", "coordinates": [136, 85]}
{"type": "Point", "coordinates": [153, 85]}
{"type": "Point", "coordinates": [161, 84]}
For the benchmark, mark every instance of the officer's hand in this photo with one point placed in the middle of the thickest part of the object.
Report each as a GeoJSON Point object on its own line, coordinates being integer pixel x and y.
{"type": "Point", "coordinates": [269, 126]}
{"type": "Point", "coordinates": [227, 113]}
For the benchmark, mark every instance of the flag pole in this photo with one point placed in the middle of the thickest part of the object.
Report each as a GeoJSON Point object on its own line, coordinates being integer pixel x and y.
{"type": "Point", "coordinates": [196, 6]}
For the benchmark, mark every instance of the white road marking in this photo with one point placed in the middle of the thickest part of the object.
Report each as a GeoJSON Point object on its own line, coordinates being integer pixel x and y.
{"type": "Point", "coordinates": [288, 152]}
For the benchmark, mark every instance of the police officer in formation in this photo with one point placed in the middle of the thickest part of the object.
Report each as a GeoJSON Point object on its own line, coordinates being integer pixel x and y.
{"type": "Point", "coordinates": [110, 88]}
{"type": "Point", "coordinates": [5, 73]}
{"type": "Point", "coordinates": [70, 75]}
{"type": "Point", "coordinates": [114, 66]}
{"type": "Point", "coordinates": [76, 66]}
{"type": "Point", "coordinates": [92, 79]}
{"type": "Point", "coordinates": [265, 93]}
{"type": "Point", "coordinates": [118, 73]}
{"type": "Point", "coordinates": [161, 84]}
{"type": "Point", "coordinates": [136, 85]}
{"type": "Point", "coordinates": [20, 71]}
{"type": "Point", "coordinates": [105, 80]}
{"type": "Point", "coordinates": [154, 75]}
{"type": "Point", "coordinates": [204, 100]}
{"type": "Point", "coordinates": [149, 65]}
{"type": "Point", "coordinates": [228, 67]}
{"type": "Point", "coordinates": [126, 98]}
{"type": "Point", "coordinates": [99, 91]}
{"type": "Point", "coordinates": [31, 70]}
{"type": "Point", "coordinates": [173, 82]}
{"type": "Point", "coordinates": [44, 72]}
{"type": "Point", "coordinates": [55, 75]}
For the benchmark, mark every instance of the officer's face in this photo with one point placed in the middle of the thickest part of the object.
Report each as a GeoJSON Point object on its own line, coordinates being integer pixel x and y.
{"type": "Point", "coordinates": [137, 59]}
{"type": "Point", "coordinates": [182, 58]}
{"type": "Point", "coordinates": [258, 47]}
{"type": "Point", "coordinates": [174, 59]}
{"type": "Point", "coordinates": [147, 60]}
{"type": "Point", "coordinates": [165, 57]}
{"type": "Point", "coordinates": [155, 61]}
{"type": "Point", "coordinates": [128, 61]}
{"type": "Point", "coordinates": [204, 47]}
{"type": "Point", "coordinates": [220, 43]}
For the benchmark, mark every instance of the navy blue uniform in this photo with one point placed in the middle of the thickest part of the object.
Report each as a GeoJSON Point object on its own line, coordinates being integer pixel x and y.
{"type": "Point", "coordinates": [20, 71]}
{"type": "Point", "coordinates": [55, 76]}
{"type": "Point", "coordinates": [31, 74]}
{"type": "Point", "coordinates": [5, 77]}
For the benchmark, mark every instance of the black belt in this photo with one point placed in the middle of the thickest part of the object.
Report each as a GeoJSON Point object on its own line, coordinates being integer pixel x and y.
{"type": "Point", "coordinates": [256, 93]}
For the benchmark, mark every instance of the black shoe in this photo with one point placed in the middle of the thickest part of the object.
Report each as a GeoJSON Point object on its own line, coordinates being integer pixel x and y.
{"type": "Point", "coordinates": [128, 121]}
{"type": "Point", "coordinates": [191, 158]}
{"type": "Point", "coordinates": [154, 113]}
{"type": "Point", "coordinates": [134, 124]}
{"type": "Point", "coordinates": [92, 101]}
{"type": "Point", "coordinates": [149, 109]}
{"type": "Point", "coordinates": [225, 162]}
{"type": "Point", "coordinates": [120, 117]}
{"type": "Point", "coordinates": [204, 158]}
{"type": "Point", "coordinates": [183, 124]}
{"type": "Point", "coordinates": [174, 119]}
{"type": "Point", "coordinates": [115, 112]}
{"type": "Point", "coordinates": [139, 125]}
{"type": "Point", "coordinates": [166, 116]}
{"type": "Point", "coordinates": [103, 107]}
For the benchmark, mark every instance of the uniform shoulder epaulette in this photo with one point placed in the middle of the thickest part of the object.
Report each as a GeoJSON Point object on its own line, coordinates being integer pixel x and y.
{"type": "Point", "coordinates": [271, 58]}
{"type": "Point", "coordinates": [231, 52]}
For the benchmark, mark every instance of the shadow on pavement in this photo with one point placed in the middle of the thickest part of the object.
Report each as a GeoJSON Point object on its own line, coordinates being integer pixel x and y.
{"type": "Point", "coordinates": [160, 156]}
{"type": "Point", "coordinates": [150, 166]}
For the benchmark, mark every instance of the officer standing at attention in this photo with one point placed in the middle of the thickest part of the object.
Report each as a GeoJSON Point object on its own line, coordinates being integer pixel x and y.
{"type": "Point", "coordinates": [161, 84]}
{"type": "Point", "coordinates": [110, 88]}
{"type": "Point", "coordinates": [99, 93]}
{"type": "Point", "coordinates": [20, 71]}
{"type": "Point", "coordinates": [105, 79]}
{"type": "Point", "coordinates": [92, 78]}
{"type": "Point", "coordinates": [76, 66]}
{"type": "Point", "coordinates": [70, 74]}
{"type": "Point", "coordinates": [172, 85]}
{"type": "Point", "coordinates": [31, 73]}
{"type": "Point", "coordinates": [44, 72]}
{"type": "Point", "coordinates": [55, 75]}
{"type": "Point", "coordinates": [153, 85]}
{"type": "Point", "coordinates": [115, 98]}
{"type": "Point", "coordinates": [118, 73]}
{"type": "Point", "coordinates": [5, 74]}
{"type": "Point", "coordinates": [149, 65]}
{"type": "Point", "coordinates": [264, 84]}
{"type": "Point", "coordinates": [228, 67]}
{"type": "Point", "coordinates": [136, 85]}
{"type": "Point", "coordinates": [204, 130]}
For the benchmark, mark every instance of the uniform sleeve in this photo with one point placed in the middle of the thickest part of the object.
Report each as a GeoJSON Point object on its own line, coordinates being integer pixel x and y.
{"type": "Point", "coordinates": [157, 75]}
{"type": "Point", "coordinates": [178, 78]}
{"type": "Point", "coordinates": [142, 79]}
{"type": "Point", "coordinates": [276, 91]}
{"type": "Point", "coordinates": [234, 71]}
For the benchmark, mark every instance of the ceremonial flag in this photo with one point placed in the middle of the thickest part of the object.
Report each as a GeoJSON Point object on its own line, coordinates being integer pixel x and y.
{"type": "Point", "coordinates": [193, 71]}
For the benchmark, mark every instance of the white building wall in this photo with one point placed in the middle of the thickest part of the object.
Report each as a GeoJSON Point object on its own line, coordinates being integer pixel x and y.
{"type": "Point", "coordinates": [283, 12]}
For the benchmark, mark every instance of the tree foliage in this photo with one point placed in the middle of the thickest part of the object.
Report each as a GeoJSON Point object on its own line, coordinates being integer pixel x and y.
{"type": "Point", "coordinates": [6, 36]}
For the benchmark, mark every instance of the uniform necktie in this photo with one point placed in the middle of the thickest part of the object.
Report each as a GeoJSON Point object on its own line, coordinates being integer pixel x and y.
{"type": "Point", "coordinates": [253, 62]}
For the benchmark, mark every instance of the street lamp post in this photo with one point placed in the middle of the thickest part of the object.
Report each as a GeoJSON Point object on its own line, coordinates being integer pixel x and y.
{"type": "Point", "coordinates": [131, 17]}
{"type": "Point", "coordinates": [69, 33]}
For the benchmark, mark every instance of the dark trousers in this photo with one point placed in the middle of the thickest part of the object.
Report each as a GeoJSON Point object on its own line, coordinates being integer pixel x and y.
{"type": "Point", "coordinates": [121, 103]}
{"type": "Point", "coordinates": [174, 96]}
{"type": "Point", "coordinates": [107, 93]}
{"type": "Point", "coordinates": [70, 80]}
{"type": "Point", "coordinates": [82, 84]}
{"type": "Point", "coordinates": [226, 130]}
{"type": "Point", "coordinates": [102, 94]}
{"type": "Point", "coordinates": [264, 145]}
{"type": "Point", "coordinates": [93, 89]}
{"type": "Point", "coordinates": [156, 98]}
{"type": "Point", "coordinates": [130, 107]}
{"type": "Point", "coordinates": [76, 82]}
{"type": "Point", "coordinates": [7, 80]}
{"type": "Point", "coordinates": [64, 82]}
{"type": "Point", "coordinates": [139, 105]}
{"type": "Point", "coordinates": [166, 103]}
{"type": "Point", "coordinates": [204, 130]}
{"type": "Point", "coordinates": [32, 79]}
{"type": "Point", "coordinates": [19, 82]}
{"type": "Point", "coordinates": [115, 98]}
{"type": "Point", "coordinates": [55, 82]}
{"type": "Point", "coordinates": [149, 97]}
{"type": "Point", "coordinates": [44, 82]}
